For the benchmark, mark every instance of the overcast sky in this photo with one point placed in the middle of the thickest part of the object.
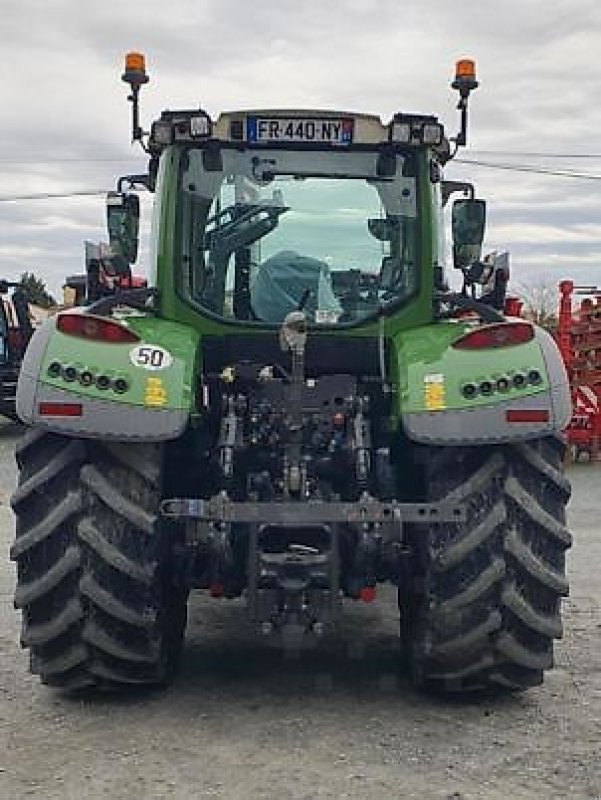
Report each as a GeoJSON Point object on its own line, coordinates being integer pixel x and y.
{"type": "Point", "coordinates": [66, 120]}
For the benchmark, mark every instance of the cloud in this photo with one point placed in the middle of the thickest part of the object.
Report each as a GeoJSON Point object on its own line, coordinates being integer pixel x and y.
{"type": "Point", "coordinates": [63, 101]}
{"type": "Point", "coordinates": [548, 235]}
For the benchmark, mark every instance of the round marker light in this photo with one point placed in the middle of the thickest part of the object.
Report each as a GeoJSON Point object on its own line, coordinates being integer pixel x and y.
{"type": "Point", "coordinates": [469, 391]}
{"type": "Point", "coordinates": [534, 377]}
{"type": "Point", "coordinates": [519, 380]}
{"type": "Point", "coordinates": [86, 378]}
{"type": "Point", "coordinates": [486, 388]}
{"type": "Point", "coordinates": [120, 385]}
{"type": "Point", "coordinates": [54, 370]}
{"type": "Point", "coordinates": [502, 385]}
{"type": "Point", "coordinates": [69, 374]}
{"type": "Point", "coordinates": [103, 382]}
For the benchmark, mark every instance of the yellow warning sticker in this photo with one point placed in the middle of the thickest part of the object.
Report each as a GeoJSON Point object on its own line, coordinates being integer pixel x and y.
{"type": "Point", "coordinates": [434, 392]}
{"type": "Point", "coordinates": [155, 393]}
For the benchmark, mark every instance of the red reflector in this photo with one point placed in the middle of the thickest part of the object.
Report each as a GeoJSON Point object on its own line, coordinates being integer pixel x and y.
{"type": "Point", "coordinates": [60, 409]}
{"type": "Point", "coordinates": [97, 328]}
{"type": "Point", "coordinates": [15, 340]}
{"type": "Point", "coordinates": [367, 594]}
{"type": "Point", "coordinates": [502, 334]}
{"type": "Point", "coordinates": [216, 590]}
{"type": "Point", "coordinates": [527, 415]}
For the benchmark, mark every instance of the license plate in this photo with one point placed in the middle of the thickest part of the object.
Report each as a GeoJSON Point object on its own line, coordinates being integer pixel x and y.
{"type": "Point", "coordinates": [277, 130]}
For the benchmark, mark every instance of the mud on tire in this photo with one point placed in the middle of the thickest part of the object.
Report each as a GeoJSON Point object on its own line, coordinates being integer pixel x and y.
{"type": "Point", "coordinates": [487, 606]}
{"type": "Point", "coordinates": [93, 570]}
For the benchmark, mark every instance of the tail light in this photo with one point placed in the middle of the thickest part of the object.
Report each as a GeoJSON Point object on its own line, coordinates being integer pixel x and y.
{"type": "Point", "coordinates": [97, 328]}
{"type": "Point", "coordinates": [502, 334]}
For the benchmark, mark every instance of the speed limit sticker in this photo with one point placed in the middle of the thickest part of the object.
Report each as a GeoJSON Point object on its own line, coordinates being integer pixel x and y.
{"type": "Point", "coordinates": [152, 357]}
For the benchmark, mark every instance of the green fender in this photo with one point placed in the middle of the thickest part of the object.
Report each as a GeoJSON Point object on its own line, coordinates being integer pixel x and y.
{"type": "Point", "coordinates": [141, 390]}
{"type": "Point", "coordinates": [527, 380]}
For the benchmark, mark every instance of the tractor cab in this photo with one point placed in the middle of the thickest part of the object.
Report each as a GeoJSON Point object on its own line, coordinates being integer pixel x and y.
{"type": "Point", "coordinates": [319, 212]}
{"type": "Point", "coordinates": [326, 212]}
{"type": "Point", "coordinates": [264, 212]}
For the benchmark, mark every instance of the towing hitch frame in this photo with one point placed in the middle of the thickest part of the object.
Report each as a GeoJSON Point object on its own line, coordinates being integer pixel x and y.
{"type": "Point", "coordinates": [293, 587]}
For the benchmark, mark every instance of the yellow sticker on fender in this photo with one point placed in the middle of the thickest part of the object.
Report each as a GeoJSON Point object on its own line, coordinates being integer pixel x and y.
{"type": "Point", "coordinates": [155, 393]}
{"type": "Point", "coordinates": [434, 392]}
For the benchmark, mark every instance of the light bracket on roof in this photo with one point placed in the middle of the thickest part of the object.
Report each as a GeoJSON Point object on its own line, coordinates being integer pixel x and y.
{"type": "Point", "coordinates": [135, 75]}
{"type": "Point", "coordinates": [465, 82]}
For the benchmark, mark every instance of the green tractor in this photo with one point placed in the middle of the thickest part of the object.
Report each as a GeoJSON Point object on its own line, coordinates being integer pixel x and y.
{"type": "Point", "coordinates": [296, 410]}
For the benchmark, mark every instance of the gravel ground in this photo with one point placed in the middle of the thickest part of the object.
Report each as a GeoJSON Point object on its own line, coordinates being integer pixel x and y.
{"type": "Point", "coordinates": [244, 721]}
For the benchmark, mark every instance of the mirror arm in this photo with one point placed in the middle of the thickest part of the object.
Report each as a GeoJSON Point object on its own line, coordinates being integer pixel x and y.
{"type": "Point", "coordinates": [447, 304]}
{"type": "Point", "coordinates": [449, 187]}
{"type": "Point", "coordinates": [132, 181]}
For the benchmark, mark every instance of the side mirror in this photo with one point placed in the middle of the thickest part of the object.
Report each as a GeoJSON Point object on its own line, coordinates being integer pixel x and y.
{"type": "Point", "coordinates": [468, 222]}
{"type": "Point", "coordinates": [123, 221]}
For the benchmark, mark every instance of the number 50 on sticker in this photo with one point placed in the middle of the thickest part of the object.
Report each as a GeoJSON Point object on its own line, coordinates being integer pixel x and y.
{"type": "Point", "coordinates": [152, 357]}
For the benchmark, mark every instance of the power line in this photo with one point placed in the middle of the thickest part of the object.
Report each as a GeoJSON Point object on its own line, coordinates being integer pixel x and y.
{"type": "Point", "coordinates": [531, 169]}
{"type": "Point", "coordinates": [523, 154]}
{"type": "Point", "coordinates": [111, 160]}
{"type": "Point", "coordinates": [50, 196]}
{"type": "Point", "coordinates": [66, 160]}
{"type": "Point", "coordinates": [472, 161]}
{"type": "Point", "coordinates": [114, 160]}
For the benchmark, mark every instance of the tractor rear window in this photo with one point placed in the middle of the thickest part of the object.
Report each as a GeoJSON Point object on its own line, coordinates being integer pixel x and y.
{"type": "Point", "coordinates": [265, 236]}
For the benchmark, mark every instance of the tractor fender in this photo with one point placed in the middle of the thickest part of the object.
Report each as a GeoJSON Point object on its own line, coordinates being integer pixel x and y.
{"type": "Point", "coordinates": [502, 417]}
{"type": "Point", "coordinates": [156, 405]}
{"type": "Point", "coordinates": [30, 368]}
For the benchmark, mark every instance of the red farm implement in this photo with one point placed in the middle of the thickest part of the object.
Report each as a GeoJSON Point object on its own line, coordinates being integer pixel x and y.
{"type": "Point", "coordinates": [579, 340]}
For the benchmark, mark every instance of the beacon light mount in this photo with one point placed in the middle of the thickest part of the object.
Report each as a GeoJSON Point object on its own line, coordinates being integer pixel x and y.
{"type": "Point", "coordinates": [135, 75]}
{"type": "Point", "coordinates": [465, 82]}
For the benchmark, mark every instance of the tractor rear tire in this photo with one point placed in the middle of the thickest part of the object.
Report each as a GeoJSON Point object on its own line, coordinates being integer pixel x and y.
{"type": "Point", "coordinates": [487, 603]}
{"type": "Point", "coordinates": [94, 571]}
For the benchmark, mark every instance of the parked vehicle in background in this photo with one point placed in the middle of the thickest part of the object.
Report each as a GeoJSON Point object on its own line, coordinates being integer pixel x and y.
{"type": "Point", "coordinates": [106, 273]}
{"type": "Point", "coordinates": [579, 340]}
{"type": "Point", "coordinates": [16, 328]}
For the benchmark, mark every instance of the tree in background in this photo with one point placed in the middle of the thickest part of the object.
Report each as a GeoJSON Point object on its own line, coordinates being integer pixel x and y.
{"type": "Point", "coordinates": [541, 304]}
{"type": "Point", "coordinates": [35, 291]}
